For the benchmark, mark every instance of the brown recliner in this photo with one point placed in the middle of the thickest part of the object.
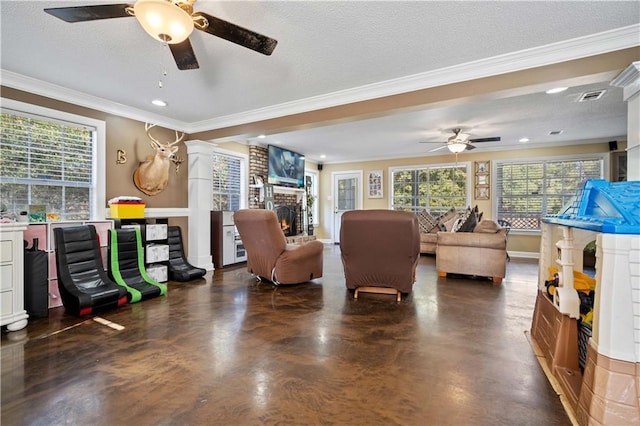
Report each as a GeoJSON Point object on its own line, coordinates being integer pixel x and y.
{"type": "Point", "coordinates": [380, 250]}
{"type": "Point", "coordinates": [268, 254]}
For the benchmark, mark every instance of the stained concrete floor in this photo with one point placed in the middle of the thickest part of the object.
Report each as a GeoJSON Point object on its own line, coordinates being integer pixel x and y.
{"type": "Point", "coordinates": [226, 350]}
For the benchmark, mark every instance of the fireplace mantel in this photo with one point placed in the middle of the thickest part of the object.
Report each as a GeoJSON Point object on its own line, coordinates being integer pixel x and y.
{"type": "Point", "coordinates": [298, 192]}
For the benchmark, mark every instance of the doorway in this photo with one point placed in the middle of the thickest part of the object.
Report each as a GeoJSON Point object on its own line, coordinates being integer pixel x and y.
{"type": "Point", "coordinates": [347, 195]}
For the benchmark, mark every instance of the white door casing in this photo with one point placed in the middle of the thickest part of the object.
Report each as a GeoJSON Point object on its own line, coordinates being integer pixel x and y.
{"type": "Point", "coordinates": [347, 195]}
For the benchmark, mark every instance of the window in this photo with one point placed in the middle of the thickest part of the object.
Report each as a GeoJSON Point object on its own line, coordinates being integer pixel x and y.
{"type": "Point", "coordinates": [229, 170]}
{"type": "Point", "coordinates": [526, 190]}
{"type": "Point", "coordinates": [48, 158]}
{"type": "Point", "coordinates": [434, 188]}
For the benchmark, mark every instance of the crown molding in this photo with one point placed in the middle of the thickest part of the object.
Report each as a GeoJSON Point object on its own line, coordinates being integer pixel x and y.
{"type": "Point", "coordinates": [63, 94]}
{"type": "Point", "coordinates": [581, 47]}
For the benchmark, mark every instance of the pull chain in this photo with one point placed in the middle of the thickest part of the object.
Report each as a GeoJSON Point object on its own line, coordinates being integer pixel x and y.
{"type": "Point", "coordinates": [160, 81]}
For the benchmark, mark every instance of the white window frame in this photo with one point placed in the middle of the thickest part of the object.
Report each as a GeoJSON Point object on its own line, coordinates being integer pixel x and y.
{"type": "Point", "coordinates": [98, 179]}
{"type": "Point", "coordinates": [244, 172]}
{"type": "Point", "coordinates": [603, 157]}
{"type": "Point", "coordinates": [465, 164]}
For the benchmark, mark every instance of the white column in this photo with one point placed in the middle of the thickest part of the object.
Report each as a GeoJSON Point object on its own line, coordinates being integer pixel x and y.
{"type": "Point", "coordinates": [616, 323]}
{"type": "Point", "coordinates": [200, 155]}
{"type": "Point", "coordinates": [629, 80]}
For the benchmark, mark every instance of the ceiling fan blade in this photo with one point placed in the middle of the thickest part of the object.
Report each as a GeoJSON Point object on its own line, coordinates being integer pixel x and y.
{"type": "Point", "coordinates": [438, 148]}
{"type": "Point", "coordinates": [184, 56]}
{"type": "Point", "coordinates": [469, 147]}
{"type": "Point", "coordinates": [494, 139]}
{"type": "Point", "coordinates": [89, 13]}
{"type": "Point", "coordinates": [238, 35]}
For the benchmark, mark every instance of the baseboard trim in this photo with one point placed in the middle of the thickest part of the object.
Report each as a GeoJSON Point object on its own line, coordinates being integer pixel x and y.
{"type": "Point", "coordinates": [524, 254]}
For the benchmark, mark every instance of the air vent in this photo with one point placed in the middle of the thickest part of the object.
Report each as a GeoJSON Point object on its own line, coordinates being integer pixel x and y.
{"type": "Point", "coordinates": [555, 132]}
{"type": "Point", "coordinates": [592, 96]}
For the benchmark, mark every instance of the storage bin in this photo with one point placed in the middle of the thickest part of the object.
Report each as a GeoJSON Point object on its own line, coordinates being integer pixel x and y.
{"type": "Point", "coordinates": [159, 273]}
{"type": "Point", "coordinates": [157, 253]}
{"type": "Point", "coordinates": [127, 210]}
{"type": "Point", "coordinates": [156, 232]}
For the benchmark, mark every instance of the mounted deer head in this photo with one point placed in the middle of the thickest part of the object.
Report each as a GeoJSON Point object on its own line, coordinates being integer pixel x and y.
{"type": "Point", "coordinates": [152, 175]}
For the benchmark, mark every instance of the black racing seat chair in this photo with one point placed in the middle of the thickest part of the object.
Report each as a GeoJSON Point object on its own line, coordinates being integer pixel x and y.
{"type": "Point", "coordinates": [83, 283]}
{"type": "Point", "coordinates": [127, 266]}
{"type": "Point", "coordinates": [179, 268]}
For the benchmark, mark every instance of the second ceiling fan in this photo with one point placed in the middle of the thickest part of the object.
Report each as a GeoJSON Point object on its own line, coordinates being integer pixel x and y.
{"type": "Point", "coordinates": [460, 142]}
{"type": "Point", "coordinates": [171, 22]}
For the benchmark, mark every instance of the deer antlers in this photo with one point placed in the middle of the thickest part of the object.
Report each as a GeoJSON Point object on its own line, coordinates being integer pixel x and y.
{"type": "Point", "coordinates": [147, 129]}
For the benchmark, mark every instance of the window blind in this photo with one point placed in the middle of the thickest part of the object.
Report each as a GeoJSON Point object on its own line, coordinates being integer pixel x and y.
{"type": "Point", "coordinates": [46, 162]}
{"type": "Point", "coordinates": [227, 171]}
{"type": "Point", "coordinates": [526, 190]}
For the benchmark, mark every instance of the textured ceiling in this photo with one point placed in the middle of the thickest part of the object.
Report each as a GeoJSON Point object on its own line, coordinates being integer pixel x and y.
{"type": "Point", "coordinates": [324, 49]}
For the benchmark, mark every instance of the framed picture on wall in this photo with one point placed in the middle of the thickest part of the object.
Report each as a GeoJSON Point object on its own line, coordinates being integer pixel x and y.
{"type": "Point", "coordinates": [375, 184]}
{"type": "Point", "coordinates": [482, 192]}
{"type": "Point", "coordinates": [482, 179]}
{"type": "Point", "coordinates": [482, 167]}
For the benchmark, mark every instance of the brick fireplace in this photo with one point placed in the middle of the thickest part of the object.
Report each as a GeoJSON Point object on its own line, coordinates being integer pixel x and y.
{"type": "Point", "coordinates": [258, 166]}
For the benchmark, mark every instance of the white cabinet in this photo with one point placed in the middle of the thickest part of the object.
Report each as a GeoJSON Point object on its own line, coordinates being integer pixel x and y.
{"type": "Point", "coordinates": [226, 245]}
{"type": "Point", "coordinates": [12, 312]}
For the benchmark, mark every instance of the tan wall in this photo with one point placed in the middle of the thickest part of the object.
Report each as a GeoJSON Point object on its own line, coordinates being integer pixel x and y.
{"type": "Point", "coordinates": [129, 135]}
{"type": "Point", "coordinates": [235, 147]}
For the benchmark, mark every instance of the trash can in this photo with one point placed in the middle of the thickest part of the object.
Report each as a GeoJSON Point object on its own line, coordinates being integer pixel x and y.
{"type": "Point", "coordinates": [36, 286]}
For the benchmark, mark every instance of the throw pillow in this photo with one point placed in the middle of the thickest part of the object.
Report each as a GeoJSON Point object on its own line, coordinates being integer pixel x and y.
{"type": "Point", "coordinates": [446, 216]}
{"type": "Point", "coordinates": [426, 222]}
{"type": "Point", "coordinates": [449, 224]}
{"type": "Point", "coordinates": [469, 222]}
{"type": "Point", "coordinates": [456, 224]}
{"type": "Point", "coordinates": [487, 226]}
{"type": "Point", "coordinates": [463, 218]}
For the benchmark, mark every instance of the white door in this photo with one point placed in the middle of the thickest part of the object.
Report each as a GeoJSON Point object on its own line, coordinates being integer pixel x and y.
{"type": "Point", "coordinates": [347, 195]}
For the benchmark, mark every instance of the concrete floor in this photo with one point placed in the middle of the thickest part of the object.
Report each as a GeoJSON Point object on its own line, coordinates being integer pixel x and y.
{"type": "Point", "coordinates": [226, 350]}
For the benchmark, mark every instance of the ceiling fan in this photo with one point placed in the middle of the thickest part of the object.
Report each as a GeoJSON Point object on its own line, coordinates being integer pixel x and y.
{"type": "Point", "coordinates": [171, 22]}
{"type": "Point", "coordinates": [460, 142]}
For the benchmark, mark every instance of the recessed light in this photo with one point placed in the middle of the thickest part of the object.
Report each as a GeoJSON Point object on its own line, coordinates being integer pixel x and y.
{"type": "Point", "coordinates": [524, 140]}
{"type": "Point", "coordinates": [159, 102]}
{"type": "Point", "coordinates": [261, 136]}
{"type": "Point", "coordinates": [323, 156]}
{"type": "Point", "coordinates": [556, 90]}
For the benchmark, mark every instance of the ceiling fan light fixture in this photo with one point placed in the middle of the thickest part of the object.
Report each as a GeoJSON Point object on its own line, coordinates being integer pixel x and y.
{"type": "Point", "coordinates": [457, 147]}
{"type": "Point", "coordinates": [164, 20]}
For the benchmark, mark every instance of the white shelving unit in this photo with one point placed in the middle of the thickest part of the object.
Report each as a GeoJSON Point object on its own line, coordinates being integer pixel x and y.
{"type": "Point", "coordinates": [12, 312]}
{"type": "Point", "coordinates": [154, 241]}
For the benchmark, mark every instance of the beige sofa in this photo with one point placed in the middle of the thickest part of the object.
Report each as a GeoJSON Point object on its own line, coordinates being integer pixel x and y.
{"type": "Point", "coordinates": [448, 221]}
{"type": "Point", "coordinates": [428, 242]}
{"type": "Point", "coordinates": [481, 253]}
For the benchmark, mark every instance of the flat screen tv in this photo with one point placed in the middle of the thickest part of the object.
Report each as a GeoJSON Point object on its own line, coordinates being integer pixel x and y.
{"type": "Point", "coordinates": [286, 168]}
